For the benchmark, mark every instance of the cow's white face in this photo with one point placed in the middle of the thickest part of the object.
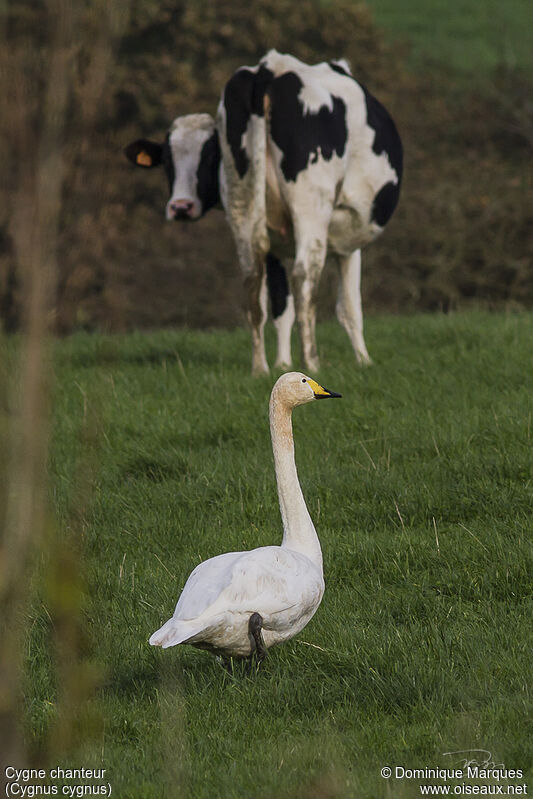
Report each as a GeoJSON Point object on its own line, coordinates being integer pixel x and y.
{"type": "Point", "coordinates": [190, 156]}
{"type": "Point", "coordinates": [187, 138]}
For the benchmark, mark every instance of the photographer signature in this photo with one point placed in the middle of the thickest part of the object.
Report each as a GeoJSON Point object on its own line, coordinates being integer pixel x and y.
{"type": "Point", "coordinates": [481, 758]}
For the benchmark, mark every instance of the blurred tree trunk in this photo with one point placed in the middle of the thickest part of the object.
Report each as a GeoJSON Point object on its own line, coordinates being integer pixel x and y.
{"type": "Point", "coordinates": [34, 228]}
{"type": "Point", "coordinates": [44, 65]}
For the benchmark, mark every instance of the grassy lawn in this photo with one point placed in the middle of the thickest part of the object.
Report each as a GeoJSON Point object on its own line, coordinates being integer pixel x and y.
{"type": "Point", "coordinates": [420, 484]}
{"type": "Point", "coordinates": [470, 36]}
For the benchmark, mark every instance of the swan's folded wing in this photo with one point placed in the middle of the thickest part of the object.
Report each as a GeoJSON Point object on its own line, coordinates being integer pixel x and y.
{"type": "Point", "coordinates": [267, 580]}
{"type": "Point", "coordinates": [272, 580]}
{"type": "Point", "coordinates": [205, 584]}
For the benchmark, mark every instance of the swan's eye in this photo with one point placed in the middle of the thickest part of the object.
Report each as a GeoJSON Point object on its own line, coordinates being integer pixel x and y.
{"type": "Point", "coordinates": [304, 380]}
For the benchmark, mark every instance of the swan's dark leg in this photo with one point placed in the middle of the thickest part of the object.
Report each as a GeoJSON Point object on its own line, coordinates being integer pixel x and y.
{"type": "Point", "coordinates": [255, 626]}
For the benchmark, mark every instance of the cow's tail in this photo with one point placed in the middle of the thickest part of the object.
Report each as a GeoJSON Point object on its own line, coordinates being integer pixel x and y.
{"type": "Point", "coordinates": [242, 131]}
{"type": "Point", "coordinates": [259, 139]}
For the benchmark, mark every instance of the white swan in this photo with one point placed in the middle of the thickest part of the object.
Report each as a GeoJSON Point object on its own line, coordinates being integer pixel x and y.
{"type": "Point", "coordinates": [244, 602]}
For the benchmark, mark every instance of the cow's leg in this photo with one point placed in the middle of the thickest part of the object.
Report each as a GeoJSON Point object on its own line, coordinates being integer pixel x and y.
{"type": "Point", "coordinates": [310, 257]}
{"type": "Point", "coordinates": [283, 325]}
{"type": "Point", "coordinates": [349, 308]}
{"type": "Point", "coordinates": [256, 298]}
{"type": "Point", "coordinates": [253, 265]}
{"type": "Point", "coordinates": [282, 304]}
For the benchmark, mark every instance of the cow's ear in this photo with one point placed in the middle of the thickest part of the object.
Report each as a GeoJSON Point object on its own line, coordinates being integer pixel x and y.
{"type": "Point", "coordinates": [144, 153]}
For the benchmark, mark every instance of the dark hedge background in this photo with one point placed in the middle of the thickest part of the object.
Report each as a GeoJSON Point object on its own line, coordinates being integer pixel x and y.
{"type": "Point", "coordinates": [461, 235]}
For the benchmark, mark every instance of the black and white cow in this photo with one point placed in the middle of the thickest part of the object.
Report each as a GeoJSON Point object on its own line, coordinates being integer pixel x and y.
{"type": "Point", "coordinates": [305, 161]}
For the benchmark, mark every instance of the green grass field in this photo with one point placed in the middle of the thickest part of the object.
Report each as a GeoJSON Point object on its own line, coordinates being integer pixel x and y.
{"type": "Point", "coordinates": [466, 36]}
{"type": "Point", "coordinates": [420, 484]}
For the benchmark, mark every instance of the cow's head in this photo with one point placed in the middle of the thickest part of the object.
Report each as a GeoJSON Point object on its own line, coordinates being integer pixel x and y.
{"type": "Point", "coordinates": [190, 156]}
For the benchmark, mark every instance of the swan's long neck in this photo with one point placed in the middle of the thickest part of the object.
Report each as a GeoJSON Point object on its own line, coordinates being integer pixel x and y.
{"type": "Point", "coordinates": [299, 532]}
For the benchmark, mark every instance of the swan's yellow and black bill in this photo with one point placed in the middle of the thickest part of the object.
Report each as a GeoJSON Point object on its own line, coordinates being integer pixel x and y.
{"type": "Point", "coordinates": [320, 392]}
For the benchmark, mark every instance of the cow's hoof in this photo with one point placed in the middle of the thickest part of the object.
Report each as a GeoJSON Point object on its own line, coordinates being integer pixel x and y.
{"type": "Point", "coordinates": [364, 359]}
{"type": "Point", "coordinates": [260, 371]}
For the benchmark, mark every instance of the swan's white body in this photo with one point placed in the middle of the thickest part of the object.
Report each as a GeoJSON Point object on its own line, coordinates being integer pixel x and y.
{"type": "Point", "coordinates": [284, 584]}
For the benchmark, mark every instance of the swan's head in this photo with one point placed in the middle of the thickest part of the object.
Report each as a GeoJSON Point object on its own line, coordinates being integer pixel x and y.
{"type": "Point", "coordinates": [295, 388]}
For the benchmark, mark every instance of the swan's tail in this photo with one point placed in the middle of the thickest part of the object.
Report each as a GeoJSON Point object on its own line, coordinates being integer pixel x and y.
{"type": "Point", "coordinates": [174, 632]}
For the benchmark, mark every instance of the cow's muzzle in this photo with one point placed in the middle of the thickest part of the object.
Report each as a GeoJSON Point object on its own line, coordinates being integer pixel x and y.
{"type": "Point", "coordinates": [182, 209]}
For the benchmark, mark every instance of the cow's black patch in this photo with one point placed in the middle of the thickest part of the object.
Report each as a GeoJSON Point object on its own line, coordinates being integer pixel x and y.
{"type": "Point", "coordinates": [340, 69]}
{"type": "Point", "coordinates": [386, 140]}
{"type": "Point", "coordinates": [301, 136]}
{"type": "Point", "coordinates": [207, 186]}
{"type": "Point", "coordinates": [278, 285]}
{"type": "Point", "coordinates": [168, 163]}
{"type": "Point", "coordinates": [384, 203]}
{"type": "Point", "coordinates": [243, 96]}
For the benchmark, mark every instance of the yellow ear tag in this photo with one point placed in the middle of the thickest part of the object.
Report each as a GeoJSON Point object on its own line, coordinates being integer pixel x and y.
{"type": "Point", "coordinates": [143, 159]}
